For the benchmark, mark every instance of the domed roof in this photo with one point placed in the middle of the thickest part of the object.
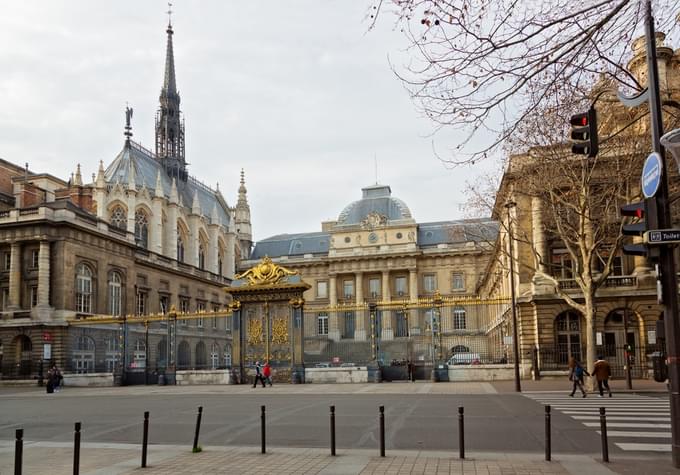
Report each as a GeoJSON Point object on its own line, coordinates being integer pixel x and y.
{"type": "Point", "coordinates": [378, 202]}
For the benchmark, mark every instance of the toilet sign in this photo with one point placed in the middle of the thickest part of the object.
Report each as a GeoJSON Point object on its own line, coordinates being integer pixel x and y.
{"type": "Point", "coordinates": [651, 175]}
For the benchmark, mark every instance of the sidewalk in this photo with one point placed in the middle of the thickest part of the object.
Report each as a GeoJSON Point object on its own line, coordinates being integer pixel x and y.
{"type": "Point", "coordinates": [618, 385]}
{"type": "Point", "coordinates": [117, 459]}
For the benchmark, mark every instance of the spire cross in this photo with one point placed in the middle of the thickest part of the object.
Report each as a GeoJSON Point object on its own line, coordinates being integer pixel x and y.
{"type": "Point", "coordinates": [169, 12]}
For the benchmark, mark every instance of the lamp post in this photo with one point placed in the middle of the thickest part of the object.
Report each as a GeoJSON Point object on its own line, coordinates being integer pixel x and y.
{"type": "Point", "coordinates": [436, 303]}
{"type": "Point", "coordinates": [515, 343]}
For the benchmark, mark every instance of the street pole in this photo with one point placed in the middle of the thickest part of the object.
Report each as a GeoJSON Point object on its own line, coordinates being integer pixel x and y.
{"type": "Point", "coordinates": [668, 278]}
{"type": "Point", "coordinates": [515, 343]}
{"type": "Point", "coordinates": [433, 376]}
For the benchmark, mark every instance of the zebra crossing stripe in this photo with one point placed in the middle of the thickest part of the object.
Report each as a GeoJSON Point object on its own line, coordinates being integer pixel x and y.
{"type": "Point", "coordinates": [631, 425]}
{"type": "Point", "coordinates": [620, 413]}
{"type": "Point", "coordinates": [651, 435]}
{"type": "Point", "coordinates": [621, 418]}
{"type": "Point", "coordinates": [644, 447]}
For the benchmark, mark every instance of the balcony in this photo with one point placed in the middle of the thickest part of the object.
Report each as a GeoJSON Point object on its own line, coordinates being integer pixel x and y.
{"type": "Point", "coordinates": [611, 282]}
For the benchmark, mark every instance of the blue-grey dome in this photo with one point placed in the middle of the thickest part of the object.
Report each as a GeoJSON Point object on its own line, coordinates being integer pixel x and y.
{"type": "Point", "coordinates": [377, 200]}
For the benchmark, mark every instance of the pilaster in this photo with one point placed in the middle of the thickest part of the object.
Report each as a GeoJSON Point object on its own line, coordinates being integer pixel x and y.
{"type": "Point", "coordinates": [360, 324]}
{"type": "Point", "coordinates": [333, 324]}
{"type": "Point", "coordinates": [15, 277]}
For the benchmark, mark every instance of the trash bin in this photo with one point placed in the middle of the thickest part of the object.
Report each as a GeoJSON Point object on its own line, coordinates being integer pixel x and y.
{"type": "Point", "coordinates": [659, 367]}
{"type": "Point", "coordinates": [442, 373]}
{"type": "Point", "coordinates": [161, 379]}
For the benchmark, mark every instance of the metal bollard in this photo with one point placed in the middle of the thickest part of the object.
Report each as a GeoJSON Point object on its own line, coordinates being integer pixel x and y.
{"type": "Point", "coordinates": [76, 449]}
{"type": "Point", "coordinates": [264, 447]}
{"type": "Point", "coordinates": [603, 435]}
{"type": "Point", "coordinates": [332, 430]}
{"type": "Point", "coordinates": [547, 434]}
{"type": "Point", "coordinates": [198, 428]}
{"type": "Point", "coordinates": [145, 438]}
{"type": "Point", "coordinates": [382, 431]}
{"type": "Point", "coordinates": [461, 433]}
{"type": "Point", "coordinates": [18, 451]}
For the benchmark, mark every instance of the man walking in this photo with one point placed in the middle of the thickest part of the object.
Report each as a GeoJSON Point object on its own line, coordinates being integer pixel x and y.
{"type": "Point", "coordinates": [267, 372]}
{"type": "Point", "coordinates": [602, 372]}
{"type": "Point", "coordinates": [258, 374]}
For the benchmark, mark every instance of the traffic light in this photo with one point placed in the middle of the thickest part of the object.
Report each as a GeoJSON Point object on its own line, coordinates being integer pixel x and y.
{"type": "Point", "coordinates": [634, 210]}
{"type": "Point", "coordinates": [584, 133]}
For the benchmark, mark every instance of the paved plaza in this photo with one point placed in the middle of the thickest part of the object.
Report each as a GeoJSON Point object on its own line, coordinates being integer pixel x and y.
{"type": "Point", "coordinates": [504, 430]}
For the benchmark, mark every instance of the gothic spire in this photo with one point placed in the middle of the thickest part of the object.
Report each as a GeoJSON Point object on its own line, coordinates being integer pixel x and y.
{"type": "Point", "coordinates": [169, 84]}
{"type": "Point", "coordinates": [242, 199]}
{"type": "Point", "coordinates": [169, 127]}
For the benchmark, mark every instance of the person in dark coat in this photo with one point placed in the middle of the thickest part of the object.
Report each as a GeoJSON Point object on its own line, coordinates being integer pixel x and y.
{"type": "Point", "coordinates": [49, 386]}
{"type": "Point", "coordinates": [602, 372]}
{"type": "Point", "coordinates": [258, 374]}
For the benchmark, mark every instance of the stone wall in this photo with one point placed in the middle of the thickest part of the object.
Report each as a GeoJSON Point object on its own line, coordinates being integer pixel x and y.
{"type": "Point", "coordinates": [354, 374]}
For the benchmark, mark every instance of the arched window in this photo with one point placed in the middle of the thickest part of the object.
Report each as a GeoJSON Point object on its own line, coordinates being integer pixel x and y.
{"type": "Point", "coordinates": [162, 352]}
{"type": "Point", "coordinates": [200, 355]}
{"type": "Point", "coordinates": [568, 336]}
{"type": "Point", "coordinates": [220, 259]}
{"type": "Point", "coordinates": [141, 229]}
{"type": "Point", "coordinates": [112, 353]}
{"type": "Point", "coordinates": [201, 256]}
{"type": "Point", "coordinates": [459, 322]}
{"type": "Point", "coordinates": [460, 349]}
{"type": "Point", "coordinates": [83, 288]}
{"type": "Point", "coordinates": [118, 217]}
{"type": "Point", "coordinates": [214, 355]}
{"type": "Point", "coordinates": [83, 354]}
{"type": "Point", "coordinates": [180, 247]}
{"type": "Point", "coordinates": [115, 293]}
{"type": "Point", "coordinates": [183, 355]}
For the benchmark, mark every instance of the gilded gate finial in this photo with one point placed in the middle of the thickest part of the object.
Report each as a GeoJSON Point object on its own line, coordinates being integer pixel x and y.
{"type": "Point", "coordinates": [266, 272]}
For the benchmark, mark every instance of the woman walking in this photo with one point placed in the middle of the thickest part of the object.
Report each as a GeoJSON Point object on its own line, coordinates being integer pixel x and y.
{"type": "Point", "coordinates": [576, 373]}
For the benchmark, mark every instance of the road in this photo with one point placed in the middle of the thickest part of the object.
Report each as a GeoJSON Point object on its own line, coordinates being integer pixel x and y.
{"type": "Point", "coordinates": [298, 416]}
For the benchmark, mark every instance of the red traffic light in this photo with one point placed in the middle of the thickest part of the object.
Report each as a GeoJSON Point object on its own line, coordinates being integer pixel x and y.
{"type": "Point", "coordinates": [579, 120]}
{"type": "Point", "coordinates": [635, 210]}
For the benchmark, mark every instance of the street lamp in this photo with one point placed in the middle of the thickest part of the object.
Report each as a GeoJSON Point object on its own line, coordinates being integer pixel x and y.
{"type": "Point", "coordinates": [515, 343]}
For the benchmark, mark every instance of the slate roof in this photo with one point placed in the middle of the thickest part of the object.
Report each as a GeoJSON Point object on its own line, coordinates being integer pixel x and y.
{"type": "Point", "coordinates": [146, 168]}
{"type": "Point", "coordinates": [375, 199]}
{"type": "Point", "coordinates": [429, 235]}
{"type": "Point", "coordinates": [292, 245]}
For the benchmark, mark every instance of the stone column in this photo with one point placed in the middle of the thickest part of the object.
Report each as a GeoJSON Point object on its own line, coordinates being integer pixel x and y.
{"type": "Point", "coordinates": [360, 316]}
{"type": "Point", "coordinates": [44, 274]}
{"type": "Point", "coordinates": [156, 226]}
{"type": "Point", "coordinates": [387, 332]}
{"type": "Point", "coordinates": [15, 277]}
{"type": "Point", "coordinates": [334, 329]}
{"type": "Point", "coordinates": [414, 327]}
{"type": "Point", "coordinates": [173, 215]}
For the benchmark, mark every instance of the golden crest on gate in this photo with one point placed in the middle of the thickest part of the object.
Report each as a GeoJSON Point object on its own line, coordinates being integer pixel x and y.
{"type": "Point", "coordinates": [266, 272]}
{"type": "Point", "coordinates": [280, 330]}
{"type": "Point", "coordinates": [254, 331]}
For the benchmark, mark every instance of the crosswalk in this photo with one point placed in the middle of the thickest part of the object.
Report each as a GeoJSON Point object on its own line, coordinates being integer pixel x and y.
{"type": "Point", "coordinates": [634, 422]}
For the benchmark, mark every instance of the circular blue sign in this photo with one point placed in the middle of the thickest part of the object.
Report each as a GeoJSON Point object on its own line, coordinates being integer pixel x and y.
{"type": "Point", "coordinates": [651, 175]}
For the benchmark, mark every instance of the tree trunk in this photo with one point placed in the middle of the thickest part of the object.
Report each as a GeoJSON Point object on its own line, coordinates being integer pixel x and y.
{"type": "Point", "coordinates": [590, 338]}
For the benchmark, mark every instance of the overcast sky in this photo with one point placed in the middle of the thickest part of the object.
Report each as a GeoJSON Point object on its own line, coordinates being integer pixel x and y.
{"type": "Point", "coordinates": [297, 93]}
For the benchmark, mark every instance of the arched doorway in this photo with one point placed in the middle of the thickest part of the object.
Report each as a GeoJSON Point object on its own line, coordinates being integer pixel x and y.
{"type": "Point", "coordinates": [622, 341]}
{"type": "Point", "coordinates": [23, 352]}
{"type": "Point", "coordinates": [200, 356]}
{"type": "Point", "coordinates": [162, 352]}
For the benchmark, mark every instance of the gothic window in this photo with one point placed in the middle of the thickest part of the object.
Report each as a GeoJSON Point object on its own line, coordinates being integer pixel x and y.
{"type": "Point", "coordinates": [84, 289]}
{"type": "Point", "coordinates": [201, 256]}
{"type": "Point", "coordinates": [141, 229]}
{"type": "Point", "coordinates": [220, 259]}
{"type": "Point", "coordinates": [115, 293]}
{"type": "Point", "coordinates": [180, 248]}
{"type": "Point", "coordinates": [119, 217]}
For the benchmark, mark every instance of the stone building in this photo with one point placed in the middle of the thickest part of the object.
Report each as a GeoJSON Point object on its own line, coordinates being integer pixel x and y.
{"type": "Point", "coordinates": [376, 253]}
{"type": "Point", "coordinates": [143, 236]}
{"type": "Point", "coordinates": [625, 330]}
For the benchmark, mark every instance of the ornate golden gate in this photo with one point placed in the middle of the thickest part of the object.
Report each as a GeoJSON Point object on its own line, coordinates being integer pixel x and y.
{"type": "Point", "coordinates": [268, 321]}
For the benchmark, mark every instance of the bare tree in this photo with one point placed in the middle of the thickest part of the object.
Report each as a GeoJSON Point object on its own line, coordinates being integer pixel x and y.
{"type": "Point", "coordinates": [579, 198]}
{"type": "Point", "coordinates": [483, 65]}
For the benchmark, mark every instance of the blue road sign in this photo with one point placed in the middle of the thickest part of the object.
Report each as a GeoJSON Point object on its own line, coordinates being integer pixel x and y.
{"type": "Point", "coordinates": [651, 175]}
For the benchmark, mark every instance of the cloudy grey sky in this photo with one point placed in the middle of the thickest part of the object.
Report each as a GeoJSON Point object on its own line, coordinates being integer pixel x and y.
{"type": "Point", "coordinates": [297, 93]}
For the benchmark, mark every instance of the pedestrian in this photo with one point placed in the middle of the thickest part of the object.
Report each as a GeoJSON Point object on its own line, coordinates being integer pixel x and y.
{"type": "Point", "coordinates": [49, 386]}
{"type": "Point", "coordinates": [576, 373]}
{"type": "Point", "coordinates": [267, 372]}
{"type": "Point", "coordinates": [57, 378]}
{"type": "Point", "coordinates": [258, 374]}
{"type": "Point", "coordinates": [602, 372]}
{"type": "Point", "coordinates": [411, 371]}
